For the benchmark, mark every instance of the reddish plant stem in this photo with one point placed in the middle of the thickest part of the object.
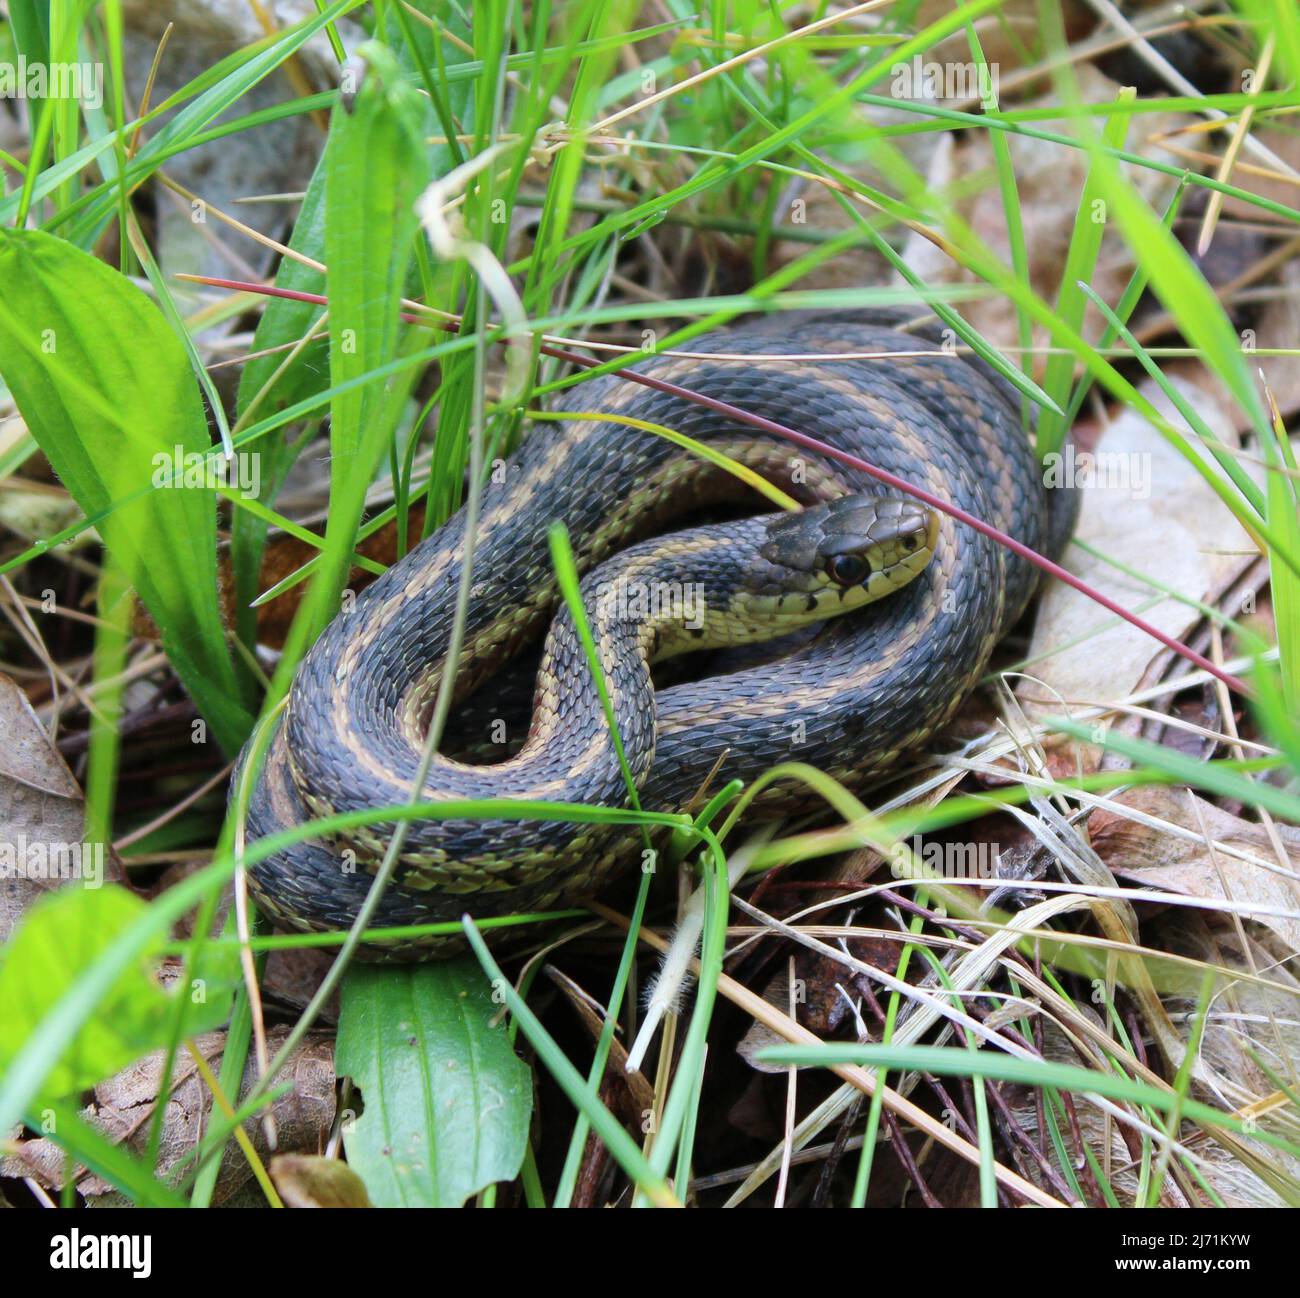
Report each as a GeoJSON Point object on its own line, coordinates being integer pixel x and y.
{"type": "Point", "coordinates": [822, 448]}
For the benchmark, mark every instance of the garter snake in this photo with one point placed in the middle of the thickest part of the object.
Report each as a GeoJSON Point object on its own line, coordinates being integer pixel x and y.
{"type": "Point", "coordinates": [851, 700]}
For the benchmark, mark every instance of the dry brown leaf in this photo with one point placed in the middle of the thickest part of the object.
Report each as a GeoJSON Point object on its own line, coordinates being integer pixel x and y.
{"type": "Point", "coordinates": [1159, 859]}
{"type": "Point", "coordinates": [1050, 179]}
{"type": "Point", "coordinates": [124, 1108]}
{"type": "Point", "coordinates": [305, 1181]}
{"type": "Point", "coordinates": [42, 815]}
{"type": "Point", "coordinates": [1252, 1030]}
{"type": "Point", "coordinates": [1172, 528]}
{"type": "Point", "coordinates": [38, 510]}
{"type": "Point", "coordinates": [1279, 326]}
{"type": "Point", "coordinates": [1236, 1184]}
{"type": "Point", "coordinates": [819, 1003]}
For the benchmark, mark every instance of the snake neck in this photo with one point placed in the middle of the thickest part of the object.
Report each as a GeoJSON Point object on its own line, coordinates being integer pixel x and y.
{"type": "Point", "coordinates": [708, 588]}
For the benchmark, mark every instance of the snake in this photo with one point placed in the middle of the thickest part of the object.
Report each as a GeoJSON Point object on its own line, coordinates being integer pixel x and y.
{"type": "Point", "coordinates": [845, 634]}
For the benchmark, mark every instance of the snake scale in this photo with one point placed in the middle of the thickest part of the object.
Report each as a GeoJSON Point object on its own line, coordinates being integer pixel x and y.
{"type": "Point", "coordinates": [873, 683]}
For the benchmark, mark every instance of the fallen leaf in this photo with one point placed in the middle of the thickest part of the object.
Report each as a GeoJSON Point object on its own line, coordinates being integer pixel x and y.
{"type": "Point", "coordinates": [1167, 524]}
{"type": "Point", "coordinates": [42, 815]}
{"type": "Point", "coordinates": [124, 1108]}
{"type": "Point", "coordinates": [1209, 866]}
{"type": "Point", "coordinates": [1049, 180]}
{"type": "Point", "coordinates": [305, 1181]}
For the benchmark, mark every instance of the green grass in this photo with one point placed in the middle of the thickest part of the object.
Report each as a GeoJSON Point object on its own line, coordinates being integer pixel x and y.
{"type": "Point", "coordinates": [639, 169]}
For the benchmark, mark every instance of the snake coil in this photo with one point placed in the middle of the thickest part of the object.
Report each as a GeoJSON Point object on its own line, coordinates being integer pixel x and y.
{"type": "Point", "coordinates": [868, 688]}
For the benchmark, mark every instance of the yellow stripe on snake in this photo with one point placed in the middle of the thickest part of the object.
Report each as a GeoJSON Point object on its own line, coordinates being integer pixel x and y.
{"type": "Point", "coordinates": [873, 684]}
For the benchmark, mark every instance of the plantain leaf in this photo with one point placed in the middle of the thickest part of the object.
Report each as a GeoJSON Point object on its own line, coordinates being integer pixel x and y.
{"type": "Point", "coordinates": [108, 393]}
{"type": "Point", "coordinates": [447, 1100]}
{"type": "Point", "coordinates": [59, 938]}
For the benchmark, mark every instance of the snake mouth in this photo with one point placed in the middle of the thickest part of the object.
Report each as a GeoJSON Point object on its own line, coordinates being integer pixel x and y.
{"type": "Point", "coordinates": [932, 532]}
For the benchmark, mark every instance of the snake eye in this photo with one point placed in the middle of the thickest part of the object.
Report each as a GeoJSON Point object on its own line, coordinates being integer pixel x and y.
{"type": "Point", "coordinates": [849, 569]}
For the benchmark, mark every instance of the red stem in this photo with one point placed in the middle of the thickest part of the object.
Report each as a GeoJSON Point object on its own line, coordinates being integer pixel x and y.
{"type": "Point", "coordinates": [822, 448]}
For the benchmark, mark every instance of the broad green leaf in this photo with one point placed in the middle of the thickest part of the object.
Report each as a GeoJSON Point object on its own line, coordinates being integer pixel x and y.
{"type": "Point", "coordinates": [30, 22]}
{"type": "Point", "coordinates": [447, 1100]}
{"type": "Point", "coordinates": [107, 391]}
{"type": "Point", "coordinates": [58, 940]}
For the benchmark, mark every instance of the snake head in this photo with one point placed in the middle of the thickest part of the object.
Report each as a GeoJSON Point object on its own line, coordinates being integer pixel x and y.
{"type": "Point", "coordinates": [850, 551]}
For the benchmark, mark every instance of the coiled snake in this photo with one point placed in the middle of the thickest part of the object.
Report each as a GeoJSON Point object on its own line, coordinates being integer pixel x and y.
{"type": "Point", "coordinates": [851, 700]}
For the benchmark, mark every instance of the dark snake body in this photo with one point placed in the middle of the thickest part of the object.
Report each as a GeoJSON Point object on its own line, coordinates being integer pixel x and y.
{"type": "Point", "coordinates": [870, 687]}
